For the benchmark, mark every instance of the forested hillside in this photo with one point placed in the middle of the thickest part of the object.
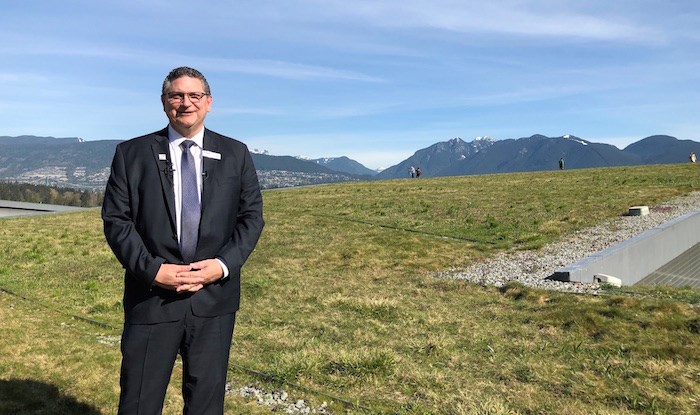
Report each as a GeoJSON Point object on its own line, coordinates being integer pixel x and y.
{"type": "Point", "coordinates": [24, 192]}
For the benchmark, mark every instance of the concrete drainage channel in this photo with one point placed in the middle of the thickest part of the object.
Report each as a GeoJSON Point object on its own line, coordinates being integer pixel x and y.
{"type": "Point", "coordinates": [633, 260]}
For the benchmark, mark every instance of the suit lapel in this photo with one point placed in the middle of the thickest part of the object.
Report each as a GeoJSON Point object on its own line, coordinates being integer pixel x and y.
{"type": "Point", "coordinates": [161, 153]}
{"type": "Point", "coordinates": [210, 167]}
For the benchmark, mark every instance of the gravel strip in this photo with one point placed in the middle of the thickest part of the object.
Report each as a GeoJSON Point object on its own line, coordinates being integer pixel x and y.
{"type": "Point", "coordinates": [531, 268]}
{"type": "Point", "coordinates": [278, 401]}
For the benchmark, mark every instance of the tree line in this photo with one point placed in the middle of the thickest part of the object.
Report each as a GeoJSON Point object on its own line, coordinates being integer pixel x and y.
{"type": "Point", "coordinates": [32, 193]}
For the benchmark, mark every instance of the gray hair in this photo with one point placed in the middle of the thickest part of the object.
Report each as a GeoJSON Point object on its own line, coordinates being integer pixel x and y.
{"type": "Point", "coordinates": [185, 71]}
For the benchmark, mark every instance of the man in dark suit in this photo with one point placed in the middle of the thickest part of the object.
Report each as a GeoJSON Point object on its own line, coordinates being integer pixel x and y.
{"type": "Point", "coordinates": [182, 211]}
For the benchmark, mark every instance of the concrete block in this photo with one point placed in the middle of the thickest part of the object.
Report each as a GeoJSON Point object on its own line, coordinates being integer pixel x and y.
{"type": "Point", "coordinates": [608, 279]}
{"type": "Point", "coordinates": [639, 211]}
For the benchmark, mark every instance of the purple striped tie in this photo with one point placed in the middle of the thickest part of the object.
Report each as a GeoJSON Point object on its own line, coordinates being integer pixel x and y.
{"type": "Point", "coordinates": [191, 211]}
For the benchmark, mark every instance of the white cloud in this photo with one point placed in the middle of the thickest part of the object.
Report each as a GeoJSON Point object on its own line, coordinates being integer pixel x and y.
{"type": "Point", "coordinates": [259, 67]}
{"type": "Point", "coordinates": [514, 17]}
{"type": "Point", "coordinates": [279, 69]}
{"type": "Point", "coordinates": [21, 78]}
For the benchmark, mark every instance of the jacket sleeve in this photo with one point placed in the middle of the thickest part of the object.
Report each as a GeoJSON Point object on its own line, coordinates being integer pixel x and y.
{"type": "Point", "coordinates": [120, 229]}
{"type": "Point", "coordinates": [249, 218]}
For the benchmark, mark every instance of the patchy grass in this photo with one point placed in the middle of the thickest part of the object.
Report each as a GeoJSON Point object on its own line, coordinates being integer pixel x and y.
{"type": "Point", "coordinates": [339, 300]}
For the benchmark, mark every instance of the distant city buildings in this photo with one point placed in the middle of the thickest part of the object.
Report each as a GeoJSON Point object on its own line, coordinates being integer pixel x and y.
{"type": "Point", "coordinates": [96, 181]}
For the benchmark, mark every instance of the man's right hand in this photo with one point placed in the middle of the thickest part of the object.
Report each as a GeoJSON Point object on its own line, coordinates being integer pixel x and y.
{"type": "Point", "coordinates": [167, 277]}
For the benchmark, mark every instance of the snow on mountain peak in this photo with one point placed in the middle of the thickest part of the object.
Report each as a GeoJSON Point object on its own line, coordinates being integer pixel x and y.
{"type": "Point", "coordinates": [572, 138]}
{"type": "Point", "coordinates": [485, 138]}
{"type": "Point", "coordinates": [323, 160]}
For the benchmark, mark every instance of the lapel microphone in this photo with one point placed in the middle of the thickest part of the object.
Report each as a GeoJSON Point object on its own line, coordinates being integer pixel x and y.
{"type": "Point", "coordinates": [168, 169]}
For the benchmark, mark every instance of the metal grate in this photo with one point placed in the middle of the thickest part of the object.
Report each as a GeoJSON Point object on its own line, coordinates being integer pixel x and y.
{"type": "Point", "coordinates": [684, 271]}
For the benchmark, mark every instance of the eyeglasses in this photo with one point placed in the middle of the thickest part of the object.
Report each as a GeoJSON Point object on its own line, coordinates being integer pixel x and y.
{"type": "Point", "coordinates": [179, 97]}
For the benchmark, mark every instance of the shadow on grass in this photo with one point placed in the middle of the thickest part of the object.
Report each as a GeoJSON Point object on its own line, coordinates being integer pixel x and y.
{"type": "Point", "coordinates": [30, 397]}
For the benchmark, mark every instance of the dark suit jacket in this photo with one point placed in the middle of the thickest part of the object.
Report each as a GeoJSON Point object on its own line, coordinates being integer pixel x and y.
{"type": "Point", "coordinates": [140, 223]}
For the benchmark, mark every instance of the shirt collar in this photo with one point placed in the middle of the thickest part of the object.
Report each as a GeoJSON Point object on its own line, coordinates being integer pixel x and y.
{"type": "Point", "coordinates": [176, 138]}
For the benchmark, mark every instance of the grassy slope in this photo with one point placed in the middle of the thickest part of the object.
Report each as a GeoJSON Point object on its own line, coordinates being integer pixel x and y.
{"type": "Point", "coordinates": [339, 298]}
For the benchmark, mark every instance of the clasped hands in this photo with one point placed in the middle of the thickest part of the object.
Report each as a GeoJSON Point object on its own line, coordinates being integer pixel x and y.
{"type": "Point", "coordinates": [188, 278]}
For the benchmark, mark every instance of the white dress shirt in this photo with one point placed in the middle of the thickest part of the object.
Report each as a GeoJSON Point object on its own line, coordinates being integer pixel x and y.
{"type": "Point", "coordinates": [175, 139]}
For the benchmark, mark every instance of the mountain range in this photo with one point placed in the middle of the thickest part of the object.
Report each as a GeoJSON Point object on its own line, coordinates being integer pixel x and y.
{"type": "Point", "coordinates": [535, 153]}
{"type": "Point", "coordinates": [345, 165]}
{"type": "Point", "coordinates": [73, 162]}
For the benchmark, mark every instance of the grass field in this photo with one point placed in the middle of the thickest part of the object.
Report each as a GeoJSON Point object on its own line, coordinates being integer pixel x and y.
{"type": "Point", "coordinates": [340, 300]}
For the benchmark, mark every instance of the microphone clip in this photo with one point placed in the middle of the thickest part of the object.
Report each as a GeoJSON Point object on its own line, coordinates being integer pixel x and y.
{"type": "Point", "coordinates": [168, 169]}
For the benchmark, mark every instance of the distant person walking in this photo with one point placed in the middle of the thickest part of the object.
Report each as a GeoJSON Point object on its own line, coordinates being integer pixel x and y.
{"type": "Point", "coordinates": [412, 172]}
{"type": "Point", "coordinates": [418, 172]}
{"type": "Point", "coordinates": [692, 157]}
{"type": "Point", "coordinates": [561, 163]}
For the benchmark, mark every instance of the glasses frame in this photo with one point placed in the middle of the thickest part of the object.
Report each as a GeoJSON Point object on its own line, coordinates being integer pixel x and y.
{"type": "Point", "coordinates": [179, 97]}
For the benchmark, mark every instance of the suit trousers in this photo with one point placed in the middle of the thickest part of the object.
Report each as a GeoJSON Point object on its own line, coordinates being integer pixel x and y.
{"type": "Point", "coordinates": [148, 356]}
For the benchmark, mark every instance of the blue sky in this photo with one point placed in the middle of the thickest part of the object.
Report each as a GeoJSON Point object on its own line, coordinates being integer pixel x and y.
{"type": "Point", "coordinates": [374, 80]}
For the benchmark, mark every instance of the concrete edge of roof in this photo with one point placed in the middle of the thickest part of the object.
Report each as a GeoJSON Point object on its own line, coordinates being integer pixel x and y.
{"type": "Point", "coordinates": [632, 260]}
{"type": "Point", "coordinates": [26, 208]}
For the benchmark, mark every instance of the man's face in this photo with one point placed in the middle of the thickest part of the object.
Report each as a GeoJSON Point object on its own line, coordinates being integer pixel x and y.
{"type": "Point", "coordinates": [186, 117]}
